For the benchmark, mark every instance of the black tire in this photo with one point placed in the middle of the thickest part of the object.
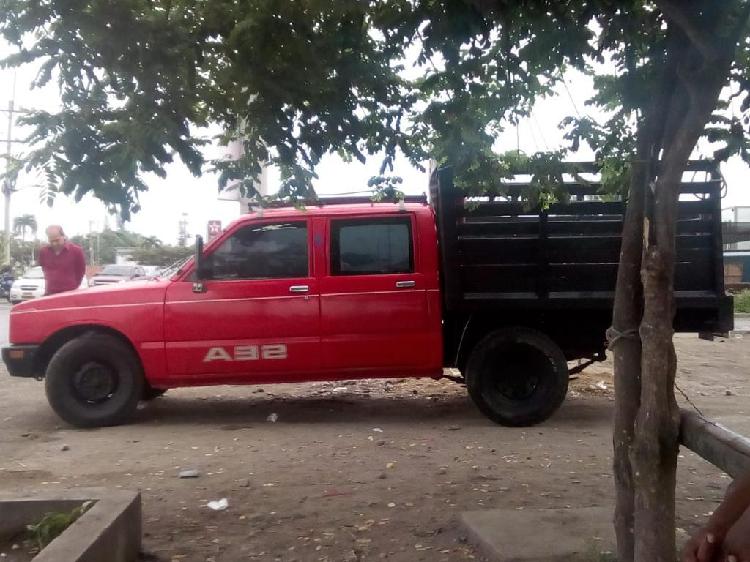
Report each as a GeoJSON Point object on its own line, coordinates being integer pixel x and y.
{"type": "Point", "coordinates": [94, 380]}
{"type": "Point", "coordinates": [517, 376]}
{"type": "Point", "coordinates": [151, 393]}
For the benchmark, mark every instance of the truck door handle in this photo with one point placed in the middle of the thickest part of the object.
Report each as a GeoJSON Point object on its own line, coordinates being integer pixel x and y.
{"type": "Point", "coordinates": [405, 284]}
{"type": "Point", "coordinates": [299, 288]}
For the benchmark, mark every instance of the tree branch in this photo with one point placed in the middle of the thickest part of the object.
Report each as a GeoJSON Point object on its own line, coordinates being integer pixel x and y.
{"type": "Point", "coordinates": [682, 19]}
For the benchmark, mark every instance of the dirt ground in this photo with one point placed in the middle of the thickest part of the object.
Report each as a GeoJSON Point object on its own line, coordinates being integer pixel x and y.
{"type": "Point", "coordinates": [364, 470]}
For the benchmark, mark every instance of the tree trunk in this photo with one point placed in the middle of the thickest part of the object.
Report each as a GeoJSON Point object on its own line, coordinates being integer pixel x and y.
{"type": "Point", "coordinates": [654, 449]}
{"type": "Point", "coordinates": [624, 338]}
{"type": "Point", "coordinates": [645, 512]}
{"type": "Point", "coordinates": [655, 445]}
{"type": "Point", "coordinates": [626, 318]}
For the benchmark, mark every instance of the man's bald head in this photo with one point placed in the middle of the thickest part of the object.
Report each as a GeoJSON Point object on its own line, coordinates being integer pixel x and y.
{"type": "Point", "coordinates": [55, 229]}
{"type": "Point", "coordinates": [56, 237]}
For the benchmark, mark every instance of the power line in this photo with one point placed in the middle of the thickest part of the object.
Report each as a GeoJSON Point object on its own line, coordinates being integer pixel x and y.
{"type": "Point", "coordinates": [570, 97]}
{"type": "Point", "coordinates": [540, 130]}
{"type": "Point", "coordinates": [533, 137]}
{"type": "Point", "coordinates": [16, 110]}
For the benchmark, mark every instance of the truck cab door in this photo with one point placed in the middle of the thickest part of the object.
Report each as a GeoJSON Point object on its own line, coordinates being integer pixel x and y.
{"type": "Point", "coordinates": [258, 317]}
{"type": "Point", "coordinates": [376, 318]}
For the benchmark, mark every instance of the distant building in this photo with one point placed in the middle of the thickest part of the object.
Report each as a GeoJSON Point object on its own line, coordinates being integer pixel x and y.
{"type": "Point", "coordinates": [124, 256]}
{"type": "Point", "coordinates": [736, 236]}
{"type": "Point", "coordinates": [737, 230]}
{"type": "Point", "coordinates": [234, 151]}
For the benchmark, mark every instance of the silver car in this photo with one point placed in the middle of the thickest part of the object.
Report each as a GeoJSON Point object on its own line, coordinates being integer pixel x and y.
{"type": "Point", "coordinates": [115, 273]}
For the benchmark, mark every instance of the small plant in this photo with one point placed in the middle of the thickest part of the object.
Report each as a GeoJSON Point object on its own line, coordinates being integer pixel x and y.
{"type": "Point", "coordinates": [742, 301]}
{"type": "Point", "coordinates": [53, 524]}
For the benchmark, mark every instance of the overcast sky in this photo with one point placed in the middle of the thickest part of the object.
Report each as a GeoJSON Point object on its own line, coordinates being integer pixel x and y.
{"type": "Point", "coordinates": [167, 199]}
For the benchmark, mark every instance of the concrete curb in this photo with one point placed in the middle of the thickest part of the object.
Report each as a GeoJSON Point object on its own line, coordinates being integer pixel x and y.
{"type": "Point", "coordinates": [540, 535]}
{"type": "Point", "coordinates": [110, 530]}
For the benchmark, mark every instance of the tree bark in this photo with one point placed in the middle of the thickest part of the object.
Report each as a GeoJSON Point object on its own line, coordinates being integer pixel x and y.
{"type": "Point", "coordinates": [655, 443]}
{"type": "Point", "coordinates": [626, 318]}
{"type": "Point", "coordinates": [645, 369]}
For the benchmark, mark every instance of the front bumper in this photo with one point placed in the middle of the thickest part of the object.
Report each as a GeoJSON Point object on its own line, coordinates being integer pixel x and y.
{"type": "Point", "coordinates": [19, 359]}
{"type": "Point", "coordinates": [20, 296]}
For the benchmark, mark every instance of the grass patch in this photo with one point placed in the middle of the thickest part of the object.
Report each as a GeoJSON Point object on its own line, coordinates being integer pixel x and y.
{"type": "Point", "coordinates": [742, 301]}
{"type": "Point", "coordinates": [53, 524]}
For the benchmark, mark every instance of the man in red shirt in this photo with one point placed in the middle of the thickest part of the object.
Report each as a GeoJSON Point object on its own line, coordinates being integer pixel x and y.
{"type": "Point", "coordinates": [63, 262]}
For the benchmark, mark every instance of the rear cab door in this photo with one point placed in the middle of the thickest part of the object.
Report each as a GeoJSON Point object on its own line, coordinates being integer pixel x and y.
{"type": "Point", "coordinates": [380, 313]}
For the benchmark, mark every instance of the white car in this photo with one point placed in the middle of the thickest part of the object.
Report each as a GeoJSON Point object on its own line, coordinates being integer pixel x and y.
{"type": "Point", "coordinates": [31, 285]}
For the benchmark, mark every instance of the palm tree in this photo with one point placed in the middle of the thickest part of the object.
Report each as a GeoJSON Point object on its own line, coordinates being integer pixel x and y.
{"type": "Point", "coordinates": [150, 242]}
{"type": "Point", "coordinates": [20, 224]}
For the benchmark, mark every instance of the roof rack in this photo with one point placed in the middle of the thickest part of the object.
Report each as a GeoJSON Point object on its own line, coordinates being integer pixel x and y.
{"type": "Point", "coordinates": [340, 200]}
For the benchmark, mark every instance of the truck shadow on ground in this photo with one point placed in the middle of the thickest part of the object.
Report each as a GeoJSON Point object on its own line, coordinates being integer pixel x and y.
{"type": "Point", "coordinates": [235, 412]}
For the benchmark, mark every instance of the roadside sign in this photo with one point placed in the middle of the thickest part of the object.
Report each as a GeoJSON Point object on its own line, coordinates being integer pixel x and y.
{"type": "Point", "coordinates": [213, 229]}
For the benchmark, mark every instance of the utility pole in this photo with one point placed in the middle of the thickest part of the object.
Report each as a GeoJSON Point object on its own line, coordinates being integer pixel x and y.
{"type": "Point", "coordinates": [92, 255]}
{"type": "Point", "coordinates": [183, 236]}
{"type": "Point", "coordinates": [8, 184]}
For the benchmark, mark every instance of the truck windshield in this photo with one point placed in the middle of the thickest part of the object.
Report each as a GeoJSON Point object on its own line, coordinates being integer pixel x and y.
{"type": "Point", "coordinates": [171, 270]}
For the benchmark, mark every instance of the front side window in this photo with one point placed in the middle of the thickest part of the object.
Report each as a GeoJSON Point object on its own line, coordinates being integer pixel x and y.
{"type": "Point", "coordinates": [371, 246]}
{"type": "Point", "coordinates": [269, 251]}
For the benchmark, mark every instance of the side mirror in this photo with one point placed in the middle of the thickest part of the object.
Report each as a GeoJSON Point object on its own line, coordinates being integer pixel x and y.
{"type": "Point", "coordinates": [200, 274]}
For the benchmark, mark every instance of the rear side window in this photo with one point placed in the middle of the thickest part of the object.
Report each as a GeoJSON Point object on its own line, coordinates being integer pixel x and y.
{"type": "Point", "coordinates": [269, 251]}
{"type": "Point", "coordinates": [371, 246]}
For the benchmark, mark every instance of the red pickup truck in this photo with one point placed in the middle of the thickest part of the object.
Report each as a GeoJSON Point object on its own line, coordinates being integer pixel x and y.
{"type": "Point", "coordinates": [346, 290]}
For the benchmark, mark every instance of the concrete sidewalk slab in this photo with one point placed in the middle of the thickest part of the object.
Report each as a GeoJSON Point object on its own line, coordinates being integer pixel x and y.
{"type": "Point", "coordinates": [541, 535]}
{"type": "Point", "coordinates": [109, 531]}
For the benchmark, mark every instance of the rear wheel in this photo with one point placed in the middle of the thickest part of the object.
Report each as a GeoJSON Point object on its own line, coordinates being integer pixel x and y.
{"type": "Point", "coordinates": [94, 380]}
{"type": "Point", "coordinates": [517, 376]}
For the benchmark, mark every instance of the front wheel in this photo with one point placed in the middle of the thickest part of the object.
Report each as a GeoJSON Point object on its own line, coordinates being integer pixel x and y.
{"type": "Point", "coordinates": [94, 380]}
{"type": "Point", "coordinates": [151, 393]}
{"type": "Point", "coordinates": [517, 376]}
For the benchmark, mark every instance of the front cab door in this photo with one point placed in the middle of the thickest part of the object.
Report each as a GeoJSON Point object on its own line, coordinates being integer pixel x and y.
{"type": "Point", "coordinates": [259, 315]}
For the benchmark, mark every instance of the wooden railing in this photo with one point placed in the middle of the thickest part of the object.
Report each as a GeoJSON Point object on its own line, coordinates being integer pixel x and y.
{"type": "Point", "coordinates": [720, 446]}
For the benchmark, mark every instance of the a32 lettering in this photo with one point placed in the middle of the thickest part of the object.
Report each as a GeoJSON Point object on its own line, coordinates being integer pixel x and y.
{"type": "Point", "coordinates": [246, 353]}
